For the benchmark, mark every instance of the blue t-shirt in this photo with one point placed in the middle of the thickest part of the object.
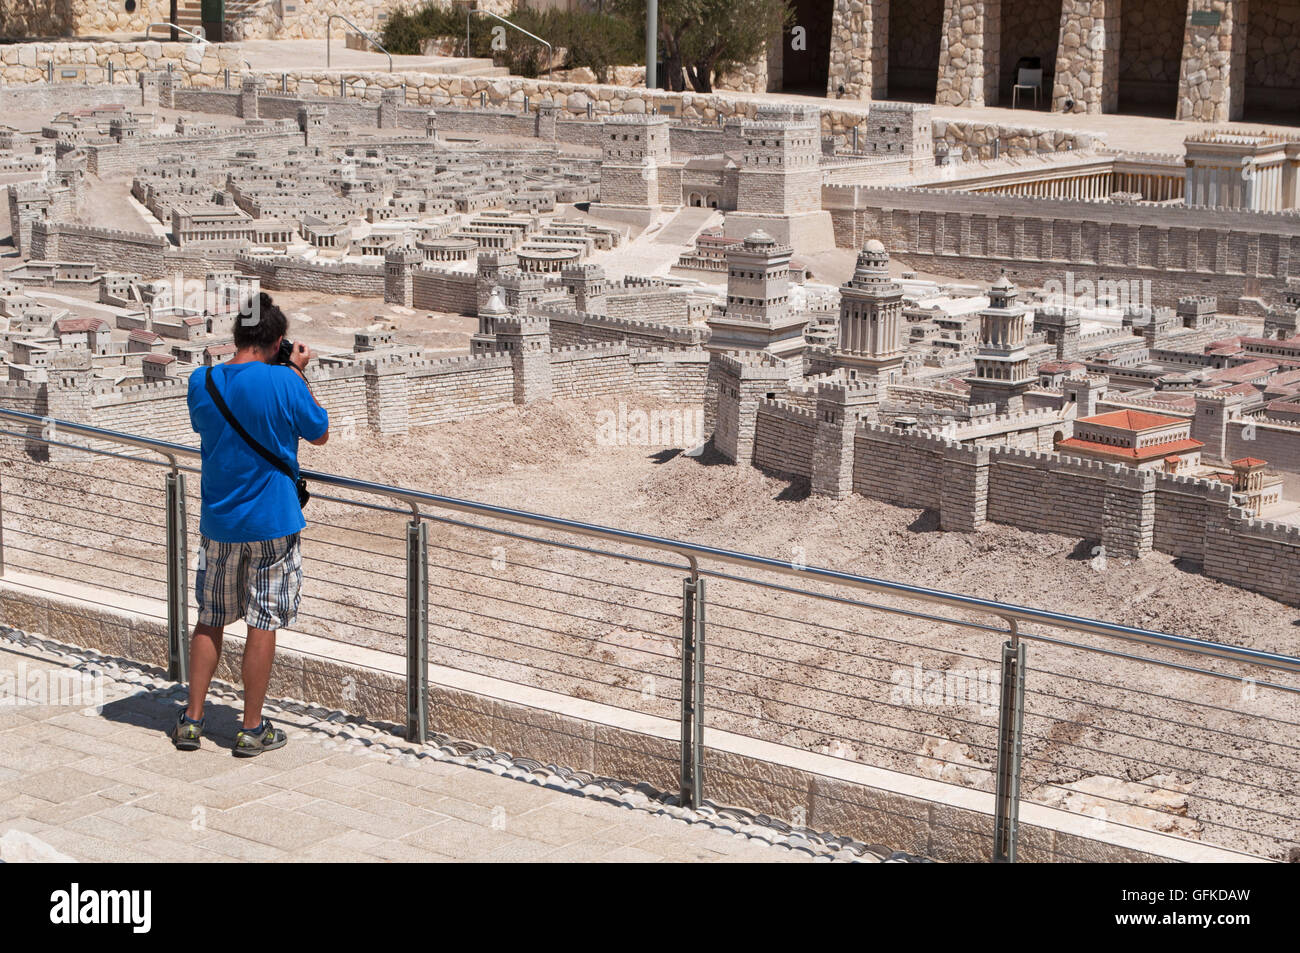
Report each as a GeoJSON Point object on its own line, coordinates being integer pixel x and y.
{"type": "Point", "coordinates": [245, 499]}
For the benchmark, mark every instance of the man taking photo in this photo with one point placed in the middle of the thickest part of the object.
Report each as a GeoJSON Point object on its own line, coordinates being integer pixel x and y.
{"type": "Point", "coordinates": [249, 414]}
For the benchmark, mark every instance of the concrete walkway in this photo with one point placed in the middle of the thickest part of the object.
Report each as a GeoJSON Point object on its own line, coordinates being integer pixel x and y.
{"type": "Point", "coordinates": [276, 55]}
{"type": "Point", "coordinates": [107, 785]}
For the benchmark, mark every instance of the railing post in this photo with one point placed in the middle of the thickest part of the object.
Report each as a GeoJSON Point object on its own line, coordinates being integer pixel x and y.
{"type": "Point", "coordinates": [417, 631]}
{"type": "Point", "coordinates": [111, 70]}
{"type": "Point", "coordinates": [343, 87]}
{"type": "Point", "coordinates": [49, 71]}
{"type": "Point", "coordinates": [1011, 719]}
{"type": "Point", "coordinates": [284, 82]}
{"type": "Point", "coordinates": [692, 772]}
{"type": "Point", "coordinates": [178, 646]}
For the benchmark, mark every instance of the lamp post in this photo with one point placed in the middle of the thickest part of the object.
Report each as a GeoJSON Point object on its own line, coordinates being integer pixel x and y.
{"type": "Point", "coordinates": [651, 43]}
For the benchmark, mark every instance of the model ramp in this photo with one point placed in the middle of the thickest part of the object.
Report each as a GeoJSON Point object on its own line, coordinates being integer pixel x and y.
{"type": "Point", "coordinates": [682, 228]}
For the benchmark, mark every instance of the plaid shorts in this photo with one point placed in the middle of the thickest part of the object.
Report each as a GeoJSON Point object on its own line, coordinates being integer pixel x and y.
{"type": "Point", "coordinates": [258, 582]}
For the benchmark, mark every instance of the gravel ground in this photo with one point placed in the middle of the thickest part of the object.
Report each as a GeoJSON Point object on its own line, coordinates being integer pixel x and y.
{"type": "Point", "coordinates": [1156, 747]}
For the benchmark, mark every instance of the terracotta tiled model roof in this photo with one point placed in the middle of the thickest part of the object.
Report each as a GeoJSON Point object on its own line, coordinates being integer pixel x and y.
{"type": "Point", "coordinates": [1131, 420]}
{"type": "Point", "coordinates": [1130, 454]}
{"type": "Point", "coordinates": [78, 325]}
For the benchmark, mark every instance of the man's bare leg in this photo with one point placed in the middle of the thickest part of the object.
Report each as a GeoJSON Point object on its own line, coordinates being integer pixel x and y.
{"type": "Point", "coordinates": [259, 652]}
{"type": "Point", "coordinates": [205, 653]}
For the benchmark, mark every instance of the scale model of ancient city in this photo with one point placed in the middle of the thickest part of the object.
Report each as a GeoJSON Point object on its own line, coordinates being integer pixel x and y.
{"type": "Point", "coordinates": [1047, 357]}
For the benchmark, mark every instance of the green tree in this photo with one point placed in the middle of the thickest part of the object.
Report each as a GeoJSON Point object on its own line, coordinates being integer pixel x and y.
{"type": "Point", "coordinates": [700, 40]}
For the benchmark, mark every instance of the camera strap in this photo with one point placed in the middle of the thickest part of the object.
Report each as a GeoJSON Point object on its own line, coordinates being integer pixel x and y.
{"type": "Point", "coordinates": [265, 454]}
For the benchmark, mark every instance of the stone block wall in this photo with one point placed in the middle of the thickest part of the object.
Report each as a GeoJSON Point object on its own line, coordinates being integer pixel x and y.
{"type": "Point", "coordinates": [662, 305]}
{"type": "Point", "coordinates": [1254, 554]}
{"type": "Point", "coordinates": [783, 439]}
{"type": "Point", "coordinates": [1184, 508]}
{"type": "Point", "coordinates": [582, 372]}
{"type": "Point", "coordinates": [295, 274]}
{"type": "Point", "coordinates": [1272, 38]}
{"type": "Point", "coordinates": [899, 468]}
{"type": "Point", "coordinates": [53, 18]}
{"type": "Point", "coordinates": [1151, 50]}
{"type": "Point", "coordinates": [108, 248]}
{"type": "Point", "coordinates": [678, 376]}
{"type": "Point", "coordinates": [571, 328]}
{"type": "Point", "coordinates": [452, 291]}
{"type": "Point", "coordinates": [455, 389]}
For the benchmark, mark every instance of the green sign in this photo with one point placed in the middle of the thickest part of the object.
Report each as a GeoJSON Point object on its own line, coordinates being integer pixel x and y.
{"type": "Point", "coordinates": [1206, 17]}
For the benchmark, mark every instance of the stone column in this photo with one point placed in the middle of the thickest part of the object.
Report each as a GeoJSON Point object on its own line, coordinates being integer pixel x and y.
{"type": "Point", "coordinates": [1087, 57]}
{"type": "Point", "coordinates": [1212, 78]}
{"type": "Point", "coordinates": [859, 60]}
{"type": "Point", "coordinates": [969, 53]}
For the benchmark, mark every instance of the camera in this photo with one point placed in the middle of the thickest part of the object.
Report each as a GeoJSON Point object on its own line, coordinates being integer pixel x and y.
{"type": "Point", "coordinates": [284, 355]}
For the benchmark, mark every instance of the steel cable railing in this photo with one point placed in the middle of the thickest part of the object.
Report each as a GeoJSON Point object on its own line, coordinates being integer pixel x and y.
{"type": "Point", "coordinates": [1134, 730]}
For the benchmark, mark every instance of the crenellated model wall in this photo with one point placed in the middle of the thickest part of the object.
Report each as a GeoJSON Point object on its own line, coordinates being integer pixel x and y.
{"type": "Point", "coordinates": [570, 328]}
{"type": "Point", "coordinates": [1126, 513]}
{"type": "Point", "coordinates": [384, 395]}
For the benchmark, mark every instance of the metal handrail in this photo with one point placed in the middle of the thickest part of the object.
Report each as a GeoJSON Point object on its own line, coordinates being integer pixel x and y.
{"type": "Point", "coordinates": [550, 50]}
{"type": "Point", "coordinates": [329, 23]}
{"type": "Point", "coordinates": [693, 552]}
{"type": "Point", "coordinates": [179, 29]}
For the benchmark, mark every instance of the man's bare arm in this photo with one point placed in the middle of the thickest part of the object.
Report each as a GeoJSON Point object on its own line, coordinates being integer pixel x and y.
{"type": "Point", "coordinates": [301, 355]}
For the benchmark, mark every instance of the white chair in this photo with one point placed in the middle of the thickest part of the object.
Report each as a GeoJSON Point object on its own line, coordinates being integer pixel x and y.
{"type": "Point", "coordinates": [1027, 79]}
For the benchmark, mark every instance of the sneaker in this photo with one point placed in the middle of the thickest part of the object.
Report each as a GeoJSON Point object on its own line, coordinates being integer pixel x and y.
{"type": "Point", "coordinates": [250, 742]}
{"type": "Point", "coordinates": [187, 733]}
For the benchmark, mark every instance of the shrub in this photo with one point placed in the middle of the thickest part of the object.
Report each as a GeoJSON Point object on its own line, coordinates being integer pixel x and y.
{"type": "Point", "coordinates": [594, 40]}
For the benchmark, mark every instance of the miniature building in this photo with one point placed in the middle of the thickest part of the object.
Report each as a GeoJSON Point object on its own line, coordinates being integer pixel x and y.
{"type": "Point", "coordinates": [1135, 438]}
{"type": "Point", "coordinates": [757, 315]}
{"type": "Point", "coordinates": [871, 319]}
{"type": "Point", "coordinates": [1002, 371]}
{"type": "Point", "coordinates": [1257, 171]}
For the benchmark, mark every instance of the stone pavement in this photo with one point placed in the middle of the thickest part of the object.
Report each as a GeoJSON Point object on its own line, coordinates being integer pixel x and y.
{"type": "Point", "coordinates": [109, 786]}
